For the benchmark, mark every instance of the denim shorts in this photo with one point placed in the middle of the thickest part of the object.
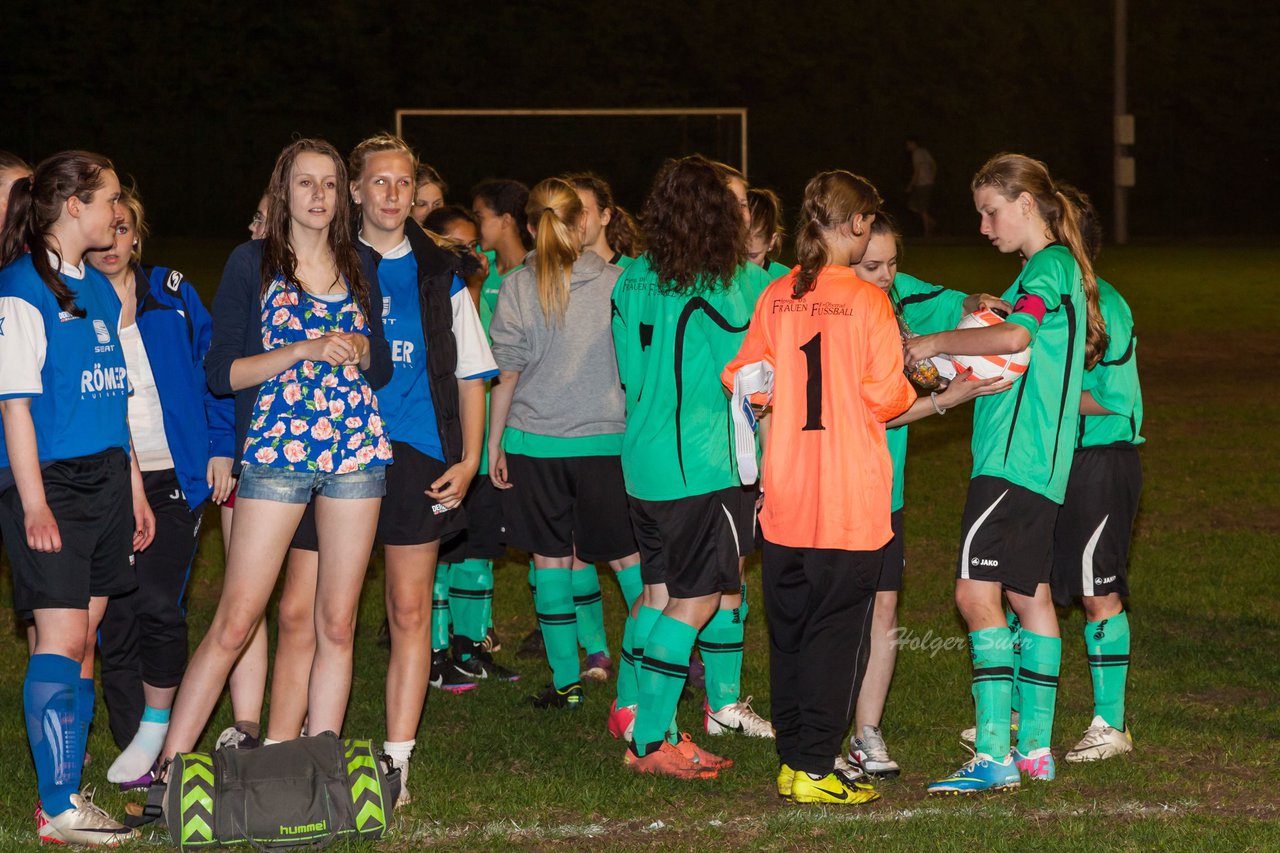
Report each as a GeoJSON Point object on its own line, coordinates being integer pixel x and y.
{"type": "Point", "coordinates": [261, 482]}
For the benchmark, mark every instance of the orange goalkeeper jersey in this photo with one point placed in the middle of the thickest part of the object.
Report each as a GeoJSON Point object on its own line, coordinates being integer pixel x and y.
{"type": "Point", "coordinates": [837, 361]}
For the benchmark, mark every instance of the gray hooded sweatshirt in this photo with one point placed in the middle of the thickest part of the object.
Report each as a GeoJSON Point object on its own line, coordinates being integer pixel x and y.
{"type": "Point", "coordinates": [569, 384]}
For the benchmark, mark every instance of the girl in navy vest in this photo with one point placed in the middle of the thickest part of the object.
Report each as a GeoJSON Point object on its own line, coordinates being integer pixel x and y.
{"type": "Point", "coordinates": [183, 438]}
{"type": "Point", "coordinates": [295, 337]}
{"type": "Point", "coordinates": [65, 472]}
{"type": "Point", "coordinates": [435, 406]}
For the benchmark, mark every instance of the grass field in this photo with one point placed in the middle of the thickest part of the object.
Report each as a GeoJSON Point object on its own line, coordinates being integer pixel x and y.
{"type": "Point", "coordinates": [1205, 611]}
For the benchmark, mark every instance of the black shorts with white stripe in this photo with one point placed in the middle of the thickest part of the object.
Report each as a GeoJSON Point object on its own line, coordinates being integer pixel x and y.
{"type": "Point", "coordinates": [690, 544]}
{"type": "Point", "coordinates": [1091, 539]}
{"type": "Point", "coordinates": [1007, 535]}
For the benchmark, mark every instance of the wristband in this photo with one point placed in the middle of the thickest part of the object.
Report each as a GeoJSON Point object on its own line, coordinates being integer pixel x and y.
{"type": "Point", "coordinates": [933, 398]}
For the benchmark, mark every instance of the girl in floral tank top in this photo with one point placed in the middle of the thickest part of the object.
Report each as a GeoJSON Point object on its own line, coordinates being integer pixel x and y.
{"type": "Point", "coordinates": [315, 416]}
{"type": "Point", "coordinates": [297, 340]}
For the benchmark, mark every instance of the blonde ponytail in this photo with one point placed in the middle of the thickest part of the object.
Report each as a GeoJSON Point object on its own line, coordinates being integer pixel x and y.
{"type": "Point", "coordinates": [1067, 229]}
{"type": "Point", "coordinates": [555, 210]}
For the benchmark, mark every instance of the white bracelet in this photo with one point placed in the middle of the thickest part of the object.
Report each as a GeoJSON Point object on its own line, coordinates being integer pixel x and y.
{"type": "Point", "coordinates": [933, 398]}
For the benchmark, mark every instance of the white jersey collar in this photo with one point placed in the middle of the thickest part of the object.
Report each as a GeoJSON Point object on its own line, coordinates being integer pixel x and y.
{"type": "Point", "coordinates": [398, 252]}
{"type": "Point", "coordinates": [70, 271]}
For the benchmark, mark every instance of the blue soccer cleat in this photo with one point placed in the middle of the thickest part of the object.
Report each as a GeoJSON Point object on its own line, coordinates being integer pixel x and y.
{"type": "Point", "coordinates": [980, 773]}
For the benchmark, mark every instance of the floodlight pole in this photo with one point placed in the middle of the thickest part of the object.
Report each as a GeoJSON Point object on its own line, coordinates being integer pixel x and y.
{"type": "Point", "coordinates": [1122, 129]}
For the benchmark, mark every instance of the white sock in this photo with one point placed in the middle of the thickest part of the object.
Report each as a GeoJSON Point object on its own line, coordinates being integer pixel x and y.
{"type": "Point", "coordinates": [399, 751]}
{"type": "Point", "coordinates": [142, 752]}
{"type": "Point", "coordinates": [266, 741]}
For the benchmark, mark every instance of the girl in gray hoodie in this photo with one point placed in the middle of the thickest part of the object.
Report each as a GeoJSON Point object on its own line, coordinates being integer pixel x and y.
{"type": "Point", "coordinates": [556, 424]}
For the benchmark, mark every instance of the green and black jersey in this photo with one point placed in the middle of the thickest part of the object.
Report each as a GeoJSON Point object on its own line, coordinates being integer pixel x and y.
{"type": "Point", "coordinates": [671, 349]}
{"type": "Point", "coordinates": [1027, 434]}
{"type": "Point", "coordinates": [621, 260]}
{"type": "Point", "coordinates": [926, 309]}
{"type": "Point", "coordinates": [1113, 382]}
{"type": "Point", "coordinates": [490, 289]}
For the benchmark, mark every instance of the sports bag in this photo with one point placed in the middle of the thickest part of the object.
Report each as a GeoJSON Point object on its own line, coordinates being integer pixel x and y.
{"type": "Point", "coordinates": [301, 793]}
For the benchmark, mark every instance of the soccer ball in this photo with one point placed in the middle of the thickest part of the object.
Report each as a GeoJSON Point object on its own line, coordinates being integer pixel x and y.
{"type": "Point", "coordinates": [1009, 366]}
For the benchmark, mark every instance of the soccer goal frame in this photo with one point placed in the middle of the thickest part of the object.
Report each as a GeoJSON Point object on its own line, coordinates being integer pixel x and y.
{"type": "Point", "coordinates": [740, 112]}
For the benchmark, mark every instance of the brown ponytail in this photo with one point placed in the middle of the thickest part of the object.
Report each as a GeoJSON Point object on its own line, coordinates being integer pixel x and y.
{"type": "Point", "coordinates": [35, 203]}
{"type": "Point", "coordinates": [831, 199]}
{"type": "Point", "coordinates": [622, 233]}
{"type": "Point", "coordinates": [555, 209]}
{"type": "Point", "coordinates": [1014, 174]}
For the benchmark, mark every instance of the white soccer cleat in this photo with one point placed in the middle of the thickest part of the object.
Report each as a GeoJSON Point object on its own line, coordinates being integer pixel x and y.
{"type": "Point", "coordinates": [84, 823]}
{"type": "Point", "coordinates": [852, 771]}
{"type": "Point", "coordinates": [970, 734]}
{"type": "Point", "coordinates": [738, 717]}
{"type": "Point", "coordinates": [1101, 740]}
{"type": "Point", "coordinates": [869, 753]}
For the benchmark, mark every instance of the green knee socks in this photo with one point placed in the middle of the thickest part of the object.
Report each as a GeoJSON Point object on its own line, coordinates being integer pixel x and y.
{"type": "Point", "coordinates": [440, 608]}
{"type": "Point", "coordinates": [992, 683]}
{"type": "Point", "coordinates": [1107, 644]}
{"type": "Point", "coordinates": [662, 675]}
{"type": "Point", "coordinates": [1038, 687]}
{"type": "Point", "coordinates": [553, 600]}
{"type": "Point", "coordinates": [721, 645]}
{"type": "Point", "coordinates": [589, 610]}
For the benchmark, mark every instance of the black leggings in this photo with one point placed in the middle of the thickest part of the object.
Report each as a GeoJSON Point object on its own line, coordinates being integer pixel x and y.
{"type": "Point", "coordinates": [143, 636]}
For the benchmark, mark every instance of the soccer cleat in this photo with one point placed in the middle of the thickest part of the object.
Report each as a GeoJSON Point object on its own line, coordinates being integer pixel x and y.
{"type": "Point", "coordinates": [786, 777]}
{"type": "Point", "coordinates": [978, 774]}
{"type": "Point", "coordinates": [598, 667]}
{"type": "Point", "coordinates": [480, 666]}
{"type": "Point", "coordinates": [736, 717]}
{"type": "Point", "coordinates": [698, 755]}
{"type": "Point", "coordinates": [842, 765]}
{"type": "Point", "coordinates": [491, 643]}
{"type": "Point", "coordinates": [832, 789]}
{"type": "Point", "coordinates": [1101, 741]}
{"type": "Point", "coordinates": [445, 676]}
{"type": "Point", "coordinates": [532, 646]}
{"type": "Point", "coordinates": [666, 760]}
{"type": "Point", "coordinates": [622, 720]}
{"type": "Point", "coordinates": [553, 697]}
{"type": "Point", "coordinates": [84, 823]}
{"type": "Point", "coordinates": [1038, 765]}
{"type": "Point", "coordinates": [233, 737]}
{"type": "Point", "coordinates": [970, 734]}
{"type": "Point", "coordinates": [870, 755]}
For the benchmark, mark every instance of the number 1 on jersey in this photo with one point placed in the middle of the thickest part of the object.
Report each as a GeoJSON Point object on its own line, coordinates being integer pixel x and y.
{"type": "Point", "coordinates": [813, 384]}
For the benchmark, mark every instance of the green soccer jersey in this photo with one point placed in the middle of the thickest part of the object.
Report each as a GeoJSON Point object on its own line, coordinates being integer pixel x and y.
{"type": "Point", "coordinates": [1027, 434]}
{"type": "Point", "coordinates": [926, 309]}
{"type": "Point", "coordinates": [776, 270]}
{"type": "Point", "coordinates": [621, 260]}
{"type": "Point", "coordinates": [1114, 380]}
{"type": "Point", "coordinates": [488, 302]}
{"type": "Point", "coordinates": [671, 349]}
{"type": "Point", "coordinates": [490, 289]}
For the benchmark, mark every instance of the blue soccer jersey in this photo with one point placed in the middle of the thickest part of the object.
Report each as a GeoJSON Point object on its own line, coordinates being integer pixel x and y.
{"type": "Point", "coordinates": [71, 367]}
{"type": "Point", "coordinates": [406, 402]}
